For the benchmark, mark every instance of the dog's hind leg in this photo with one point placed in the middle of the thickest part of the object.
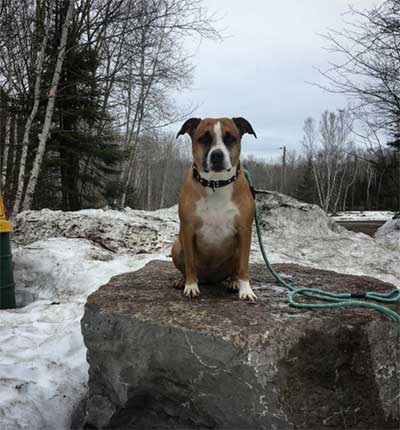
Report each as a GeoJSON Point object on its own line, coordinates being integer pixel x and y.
{"type": "Point", "coordinates": [233, 283]}
{"type": "Point", "coordinates": [179, 260]}
{"type": "Point", "coordinates": [234, 278]}
{"type": "Point", "coordinates": [178, 256]}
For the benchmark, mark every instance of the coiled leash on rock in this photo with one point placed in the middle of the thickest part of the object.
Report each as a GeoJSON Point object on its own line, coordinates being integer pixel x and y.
{"type": "Point", "coordinates": [337, 300]}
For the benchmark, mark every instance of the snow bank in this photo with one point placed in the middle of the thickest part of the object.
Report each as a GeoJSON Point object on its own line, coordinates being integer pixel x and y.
{"type": "Point", "coordinates": [301, 233]}
{"type": "Point", "coordinates": [389, 234]}
{"type": "Point", "coordinates": [129, 231]}
{"type": "Point", "coordinates": [363, 216]}
{"type": "Point", "coordinates": [295, 232]}
{"type": "Point", "coordinates": [43, 369]}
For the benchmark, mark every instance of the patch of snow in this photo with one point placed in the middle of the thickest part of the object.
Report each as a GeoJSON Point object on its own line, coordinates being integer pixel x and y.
{"type": "Point", "coordinates": [389, 234]}
{"type": "Point", "coordinates": [43, 368]}
{"type": "Point", "coordinates": [363, 216]}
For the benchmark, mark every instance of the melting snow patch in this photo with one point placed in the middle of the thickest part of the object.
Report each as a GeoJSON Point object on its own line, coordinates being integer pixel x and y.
{"type": "Point", "coordinates": [389, 234]}
{"type": "Point", "coordinates": [363, 216]}
{"type": "Point", "coordinates": [43, 369]}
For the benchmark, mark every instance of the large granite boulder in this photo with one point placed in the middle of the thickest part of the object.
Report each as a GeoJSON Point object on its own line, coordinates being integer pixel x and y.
{"type": "Point", "coordinates": [158, 360]}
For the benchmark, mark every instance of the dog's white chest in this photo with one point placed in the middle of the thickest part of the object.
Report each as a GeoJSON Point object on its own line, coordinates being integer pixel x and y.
{"type": "Point", "coordinates": [217, 212]}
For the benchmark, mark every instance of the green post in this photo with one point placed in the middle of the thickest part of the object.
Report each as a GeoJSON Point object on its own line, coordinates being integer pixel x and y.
{"type": "Point", "coordinates": [7, 286]}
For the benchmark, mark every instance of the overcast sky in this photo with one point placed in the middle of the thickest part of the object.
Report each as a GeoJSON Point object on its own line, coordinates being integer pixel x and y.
{"type": "Point", "coordinates": [261, 68]}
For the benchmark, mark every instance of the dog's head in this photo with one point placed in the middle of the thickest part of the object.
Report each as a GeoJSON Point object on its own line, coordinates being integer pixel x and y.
{"type": "Point", "coordinates": [216, 142]}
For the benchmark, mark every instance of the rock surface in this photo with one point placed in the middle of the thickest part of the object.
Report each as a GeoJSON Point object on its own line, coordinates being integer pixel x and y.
{"type": "Point", "coordinates": [158, 360]}
{"type": "Point", "coordinates": [389, 234]}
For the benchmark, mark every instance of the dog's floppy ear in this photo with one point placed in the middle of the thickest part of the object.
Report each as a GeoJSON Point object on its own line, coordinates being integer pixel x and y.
{"type": "Point", "coordinates": [244, 126]}
{"type": "Point", "coordinates": [189, 127]}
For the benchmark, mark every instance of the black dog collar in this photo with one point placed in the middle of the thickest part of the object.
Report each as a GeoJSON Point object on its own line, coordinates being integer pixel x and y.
{"type": "Point", "coordinates": [214, 184]}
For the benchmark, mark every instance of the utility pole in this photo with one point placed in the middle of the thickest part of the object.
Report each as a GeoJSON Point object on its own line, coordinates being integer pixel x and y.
{"type": "Point", "coordinates": [283, 184]}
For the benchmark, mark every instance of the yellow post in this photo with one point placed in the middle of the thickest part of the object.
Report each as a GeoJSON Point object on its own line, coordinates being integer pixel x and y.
{"type": "Point", "coordinates": [7, 286]}
{"type": "Point", "coordinates": [5, 225]}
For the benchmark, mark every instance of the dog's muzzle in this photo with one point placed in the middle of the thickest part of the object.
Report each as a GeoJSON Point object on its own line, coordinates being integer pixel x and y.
{"type": "Point", "coordinates": [217, 160]}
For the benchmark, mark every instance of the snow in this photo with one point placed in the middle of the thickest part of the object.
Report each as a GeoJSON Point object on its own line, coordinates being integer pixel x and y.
{"type": "Point", "coordinates": [61, 257]}
{"type": "Point", "coordinates": [363, 216]}
{"type": "Point", "coordinates": [300, 233]}
{"type": "Point", "coordinates": [129, 231]}
{"type": "Point", "coordinates": [43, 369]}
{"type": "Point", "coordinates": [389, 234]}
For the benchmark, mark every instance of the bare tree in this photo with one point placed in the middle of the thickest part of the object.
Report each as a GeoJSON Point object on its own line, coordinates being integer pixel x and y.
{"type": "Point", "coordinates": [354, 168]}
{"type": "Point", "coordinates": [161, 63]}
{"type": "Point", "coordinates": [310, 142]}
{"type": "Point", "coordinates": [368, 70]}
{"type": "Point", "coordinates": [326, 150]}
{"type": "Point", "coordinates": [35, 107]}
{"type": "Point", "coordinates": [30, 188]}
{"type": "Point", "coordinates": [7, 144]}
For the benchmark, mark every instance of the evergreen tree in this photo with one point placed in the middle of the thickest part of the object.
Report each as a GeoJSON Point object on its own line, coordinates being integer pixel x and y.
{"type": "Point", "coordinates": [306, 189]}
{"type": "Point", "coordinates": [81, 151]}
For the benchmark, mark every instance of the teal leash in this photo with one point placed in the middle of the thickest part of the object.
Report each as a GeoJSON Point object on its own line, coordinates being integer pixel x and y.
{"type": "Point", "coordinates": [336, 300]}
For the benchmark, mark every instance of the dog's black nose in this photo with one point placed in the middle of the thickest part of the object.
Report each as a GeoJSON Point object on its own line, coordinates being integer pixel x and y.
{"type": "Point", "coordinates": [217, 157]}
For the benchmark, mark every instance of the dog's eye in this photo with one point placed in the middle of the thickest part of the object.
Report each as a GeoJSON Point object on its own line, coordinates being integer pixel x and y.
{"type": "Point", "coordinates": [229, 139]}
{"type": "Point", "coordinates": [206, 138]}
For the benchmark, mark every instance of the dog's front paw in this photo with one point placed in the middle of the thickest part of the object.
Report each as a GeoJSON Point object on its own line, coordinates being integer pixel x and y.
{"type": "Point", "coordinates": [191, 290]}
{"type": "Point", "coordinates": [245, 291]}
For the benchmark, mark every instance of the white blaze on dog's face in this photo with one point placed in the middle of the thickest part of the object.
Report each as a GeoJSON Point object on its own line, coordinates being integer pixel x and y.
{"type": "Point", "coordinates": [219, 157]}
{"type": "Point", "coordinates": [216, 142]}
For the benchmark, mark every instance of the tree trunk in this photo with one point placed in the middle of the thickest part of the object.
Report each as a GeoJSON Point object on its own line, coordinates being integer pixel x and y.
{"type": "Point", "coordinates": [30, 189]}
{"type": "Point", "coordinates": [349, 185]}
{"type": "Point", "coordinates": [369, 173]}
{"type": "Point", "coordinates": [317, 183]}
{"type": "Point", "coordinates": [144, 92]}
{"type": "Point", "coordinates": [7, 144]}
{"type": "Point", "coordinates": [148, 186]}
{"type": "Point", "coordinates": [163, 185]}
{"type": "Point", "coordinates": [131, 163]}
{"type": "Point", "coordinates": [32, 116]}
{"type": "Point", "coordinates": [127, 173]}
{"type": "Point", "coordinates": [14, 156]}
{"type": "Point", "coordinates": [379, 190]}
{"type": "Point", "coordinates": [69, 180]}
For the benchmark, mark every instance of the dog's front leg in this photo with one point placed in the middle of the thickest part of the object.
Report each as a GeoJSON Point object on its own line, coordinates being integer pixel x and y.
{"type": "Point", "coordinates": [187, 240]}
{"type": "Point", "coordinates": [245, 291]}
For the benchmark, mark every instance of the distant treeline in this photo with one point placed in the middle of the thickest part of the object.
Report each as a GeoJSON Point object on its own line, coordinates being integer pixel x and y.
{"type": "Point", "coordinates": [330, 170]}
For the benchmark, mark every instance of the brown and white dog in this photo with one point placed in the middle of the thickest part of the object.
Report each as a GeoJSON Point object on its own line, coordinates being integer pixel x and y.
{"type": "Point", "coordinates": [216, 209]}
